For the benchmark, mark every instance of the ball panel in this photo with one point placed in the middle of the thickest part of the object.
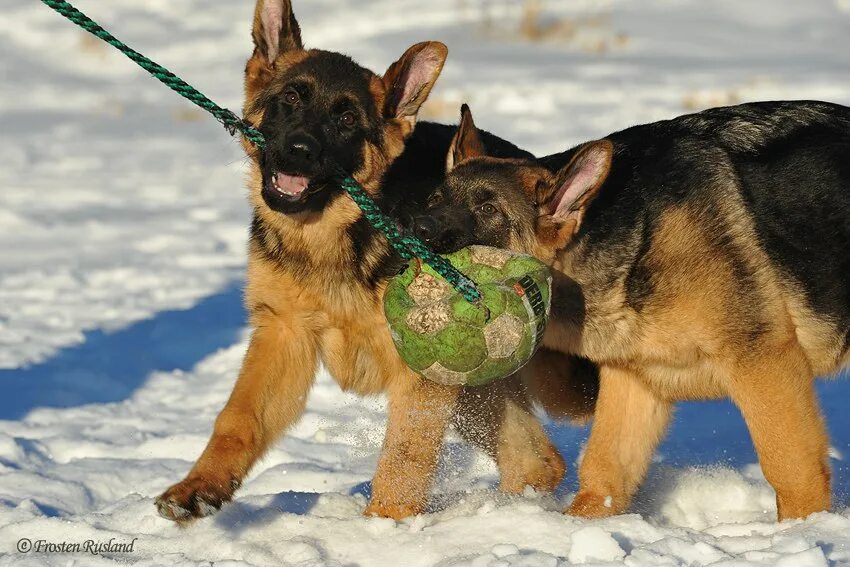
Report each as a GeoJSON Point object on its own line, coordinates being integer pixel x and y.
{"type": "Point", "coordinates": [495, 298]}
{"type": "Point", "coordinates": [484, 275]}
{"type": "Point", "coordinates": [526, 347]}
{"type": "Point", "coordinates": [442, 375]}
{"type": "Point", "coordinates": [429, 318]}
{"type": "Point", "coordinates": [396, 301]}
{"type": "Point", "coordinates": [491, 370]}
{"type": "Point", "coordinates": [460, 347]}
{"type": "Point", "coordinates": [466, 312]}
{"type": "Point", "coordinates": [492, 257]}
{"type": "Point", "coordinates": [426, 289]}
{"type": "Point", "coordinates": [415, 349]}
{"type": "Point", "coordinates": [517, 307]}
{"type": "Point", "coordinates": [523, 265]}
{"type": "Point", "coordinates": [503, 335]}
{"type": "Point", "coordinates": [404, 278]}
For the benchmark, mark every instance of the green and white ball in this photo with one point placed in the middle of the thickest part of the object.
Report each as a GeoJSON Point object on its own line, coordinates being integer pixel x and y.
{"type": "Point", "coordinates": [446, 339]}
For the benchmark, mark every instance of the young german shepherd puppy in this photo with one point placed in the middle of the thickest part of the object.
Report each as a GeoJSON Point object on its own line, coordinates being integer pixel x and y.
{"type": "Point", "coordinates": [704, 257]}
{"type": "Point", "coordinates": [317, 273]}
{"type": "Point", "coordinates": [563, 385]}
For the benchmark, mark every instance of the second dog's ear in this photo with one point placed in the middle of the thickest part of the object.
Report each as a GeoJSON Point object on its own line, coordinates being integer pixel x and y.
{"type": "Point", "coordinates": [466, 143]}
{"type": "Point", "coordinates": [275, 30]}
{"type": "Point", "coordinates": [409, 81]}
{"type": "Point", "coordinates": [577, 184]}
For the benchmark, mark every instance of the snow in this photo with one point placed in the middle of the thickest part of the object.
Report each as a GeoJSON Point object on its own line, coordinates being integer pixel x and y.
{"type": "Point", "coordinates": [123, 222]}
{"type": "Point", "coordinates": [593, 544]}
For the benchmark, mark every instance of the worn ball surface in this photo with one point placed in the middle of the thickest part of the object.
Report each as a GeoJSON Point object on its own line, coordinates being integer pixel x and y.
{"type": "Point", "coordinates": [451, 341]}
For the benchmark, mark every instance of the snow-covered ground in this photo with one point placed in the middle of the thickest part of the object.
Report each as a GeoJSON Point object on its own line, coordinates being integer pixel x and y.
{"type": "Point", "coordinates": [123, 222]}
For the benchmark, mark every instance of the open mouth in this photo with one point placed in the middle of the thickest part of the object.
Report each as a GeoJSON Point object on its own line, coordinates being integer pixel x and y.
{"type": "Point", "coordinates": [288, 186]}
{"type": "Point", "coordinates": [291, 193]}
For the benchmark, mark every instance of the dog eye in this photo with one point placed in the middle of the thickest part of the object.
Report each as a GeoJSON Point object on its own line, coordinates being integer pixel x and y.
{"type": "Point", "coordinates": [348, 119]}
{"type": "Point", "coordinates": [291, 97]}
{"type": "Point", "coordinates": [487, 209]}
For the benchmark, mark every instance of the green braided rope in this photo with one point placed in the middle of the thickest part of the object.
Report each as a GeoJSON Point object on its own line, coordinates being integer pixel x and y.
{"type": "Point", "coordinates": [407, 246]}
{"type": "Point", "coordinates": [230, 120]}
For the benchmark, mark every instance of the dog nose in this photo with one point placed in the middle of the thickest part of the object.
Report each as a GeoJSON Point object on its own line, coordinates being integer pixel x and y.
{"type": "Point", "coordinates": [425, 228]}
{"type": "Point", "coordinates": [303, 149]}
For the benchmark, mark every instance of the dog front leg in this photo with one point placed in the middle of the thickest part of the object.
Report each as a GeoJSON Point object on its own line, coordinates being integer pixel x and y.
{"type": "Point", "coordinates": [268, 397]}
{"type": "Point", "coordinates": [419, 412]}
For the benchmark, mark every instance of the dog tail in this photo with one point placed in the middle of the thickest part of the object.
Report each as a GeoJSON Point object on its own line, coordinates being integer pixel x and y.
{"type": "Point", "coordinates": [565, 386]}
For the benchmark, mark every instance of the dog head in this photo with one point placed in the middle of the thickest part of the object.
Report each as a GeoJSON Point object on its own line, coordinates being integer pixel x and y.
{"type": "Point", "coordinates": [508, 203]}
{"type": "Point", "coordinates": [320, 111]}
{"type": "Point", "coordinates": [481, 201]}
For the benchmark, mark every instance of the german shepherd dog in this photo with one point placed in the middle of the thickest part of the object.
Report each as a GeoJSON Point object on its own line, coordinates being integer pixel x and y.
{"type": "Point", "coordinates": [700, 257]}
{"type": "Point", "coordinates": [317, 272]}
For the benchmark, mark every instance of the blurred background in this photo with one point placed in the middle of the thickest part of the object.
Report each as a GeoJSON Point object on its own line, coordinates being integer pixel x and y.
{"type": "Point", "coordinates": [123, 215]}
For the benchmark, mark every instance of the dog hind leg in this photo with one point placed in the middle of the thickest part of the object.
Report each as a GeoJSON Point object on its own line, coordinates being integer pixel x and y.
{"type": "Point", "coordinates": [499, 419]}
{"type": "Point", "coordinates": [775, 393]}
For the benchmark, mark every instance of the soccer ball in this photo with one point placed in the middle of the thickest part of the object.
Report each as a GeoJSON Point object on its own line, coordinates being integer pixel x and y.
{"type": "Point", "coordinates": [446, 339]}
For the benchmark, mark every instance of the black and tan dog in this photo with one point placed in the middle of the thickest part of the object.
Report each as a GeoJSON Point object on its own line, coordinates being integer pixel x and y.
{"type": "Point", "coordinates": [704, 257]}
{"type": "Point", "coordinates": [317, 272]}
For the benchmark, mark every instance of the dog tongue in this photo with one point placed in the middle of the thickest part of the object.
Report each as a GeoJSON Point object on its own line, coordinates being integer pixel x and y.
{"type": "Point", "coordinates": [290, 184]}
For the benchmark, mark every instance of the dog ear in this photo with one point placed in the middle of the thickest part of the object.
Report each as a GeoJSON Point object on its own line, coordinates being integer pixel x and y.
{"type": "Point", "coordinates": [275, 30]}
{"type": "Point", "coordinates": [466, 143]}
{"type": "Point", "coordinates": [577, 184]}
{"type": "Point", "coordinates": [409, 81]}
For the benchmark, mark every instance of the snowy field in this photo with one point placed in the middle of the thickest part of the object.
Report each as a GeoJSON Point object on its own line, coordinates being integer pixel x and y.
{"type": "Point", "coordinates": [123, 222]}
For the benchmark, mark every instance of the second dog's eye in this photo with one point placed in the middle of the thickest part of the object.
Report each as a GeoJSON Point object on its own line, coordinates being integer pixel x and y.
{"type": "Point", "coordinates": [487, 209]}
{"type": "Point", "coordinates": [291, 97]}
{"type": "Point", "coordinates": [348, 119]}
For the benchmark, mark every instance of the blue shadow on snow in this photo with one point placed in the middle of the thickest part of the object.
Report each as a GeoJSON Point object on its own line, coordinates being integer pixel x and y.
{"type": "Point", "coordinates": [238, 516]}
{"type": "Point", "coordinates": [110, 366]}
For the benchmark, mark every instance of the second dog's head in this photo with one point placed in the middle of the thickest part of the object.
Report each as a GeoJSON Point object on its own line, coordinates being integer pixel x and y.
{"type": "Point", "coordinates": [517, 204]}
{"type": "Point", "coordinates": [319, 110]}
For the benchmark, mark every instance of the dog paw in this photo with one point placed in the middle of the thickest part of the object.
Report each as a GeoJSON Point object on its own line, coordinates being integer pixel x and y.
{"type": "Point", "coordinates": [592, 505]}
{"type": "Point", "coordinates": [394, 511]}
{"type": "Point", "coordinates": [194, 498]}
{"type": "Point", "coordinates": [542, 473]}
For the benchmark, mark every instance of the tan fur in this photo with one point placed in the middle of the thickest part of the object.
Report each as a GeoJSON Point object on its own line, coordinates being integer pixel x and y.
{"type": "Point", "coordinates": [630, 421]}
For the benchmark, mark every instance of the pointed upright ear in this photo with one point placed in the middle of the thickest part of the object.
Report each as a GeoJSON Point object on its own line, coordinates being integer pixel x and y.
{"type": "Point", "coordinates": [466, 143]}
{"type": "Point", "coordinates": [275, 30]}
{"type": "Point", "coordinates": [578, 183]}
{"type": "Point", "coordinates": [409, 81]}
